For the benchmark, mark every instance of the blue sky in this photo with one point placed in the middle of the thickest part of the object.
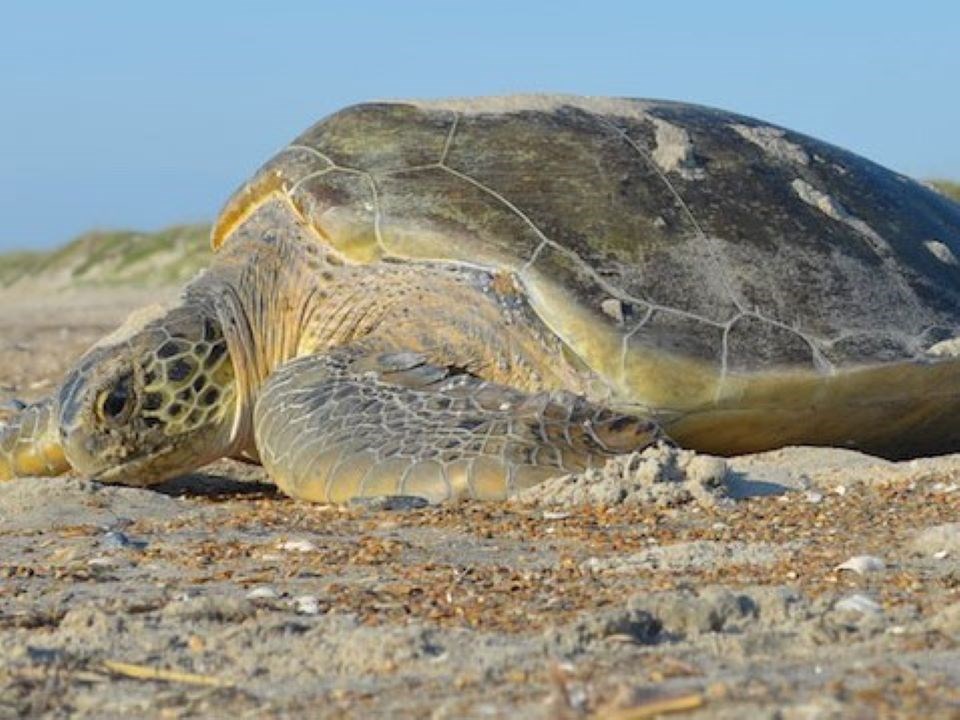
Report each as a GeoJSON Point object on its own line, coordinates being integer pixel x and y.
{"type": "Point", "coordinates": [129, 114]}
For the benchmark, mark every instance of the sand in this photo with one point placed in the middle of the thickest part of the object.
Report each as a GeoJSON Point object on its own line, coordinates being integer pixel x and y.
{"type": "Point", "coordinates": [667, 581]}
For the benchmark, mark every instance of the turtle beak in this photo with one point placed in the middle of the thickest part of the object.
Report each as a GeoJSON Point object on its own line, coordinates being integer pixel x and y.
{"type": "Point", "coordinates": [90, 445]}
{"type": "Point", "coordinates": [79, 450]}
{"type": "Point", "coordinates": [132, 472]}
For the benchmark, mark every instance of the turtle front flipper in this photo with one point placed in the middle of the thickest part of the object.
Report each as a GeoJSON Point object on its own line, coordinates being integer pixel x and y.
{"type": "Point", "coordinates": [30, 443]}
{"type": "Point", "coordinates": [361, 424]}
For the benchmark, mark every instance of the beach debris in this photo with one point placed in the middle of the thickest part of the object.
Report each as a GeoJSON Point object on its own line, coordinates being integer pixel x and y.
{"type": "Point", "coordinates": [858, 603]}
{"type": "Point", "coordinates": [648, 702]}
{"type": "Point", "coordinates": [389, 503]}
{"type": "Point", "coordinates": [302, 546]}
{"type": "Point", "coordinates": [146, 672]}
{"type": "Point", "coordinates": [101, 562]}
{"type": "Point", "coordinates": [944, 488]}
{"type": "Point", "coordinates": [262, 592]}
{"type": "Point", "coordinates": [115, 539]}
{"type": "Point", "coordinates": [862, 564]}
{"type": "Point", "coordinates": [307, 605]}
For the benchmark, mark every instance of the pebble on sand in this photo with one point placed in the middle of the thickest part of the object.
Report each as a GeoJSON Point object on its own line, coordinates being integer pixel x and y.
{"type": "Point", "coordinates": [303, 546]}
{"type": "Point", "coordinates": [307, 605]}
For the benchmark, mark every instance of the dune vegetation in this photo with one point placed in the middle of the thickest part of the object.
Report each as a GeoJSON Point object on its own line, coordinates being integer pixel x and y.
{"type": "Point", "coordinates": [116, 257]}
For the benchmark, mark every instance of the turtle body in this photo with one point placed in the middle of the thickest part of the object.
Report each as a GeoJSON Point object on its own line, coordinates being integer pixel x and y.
{"type": "Point", "coordinates": [463, 297]}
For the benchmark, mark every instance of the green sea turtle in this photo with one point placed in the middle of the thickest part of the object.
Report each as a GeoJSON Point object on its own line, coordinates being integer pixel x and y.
{"type": "Point", "coordinates": [461, 298]}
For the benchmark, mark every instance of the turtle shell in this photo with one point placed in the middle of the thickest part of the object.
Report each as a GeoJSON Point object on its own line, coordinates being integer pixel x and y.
{"type": "Point", "coordinates": [731, 275]}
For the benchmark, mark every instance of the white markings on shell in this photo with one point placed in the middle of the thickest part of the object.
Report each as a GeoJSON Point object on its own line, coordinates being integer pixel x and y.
{"type": "Point", "coordinates": [613, 308]}
{"type": "Point", "coordinates": [832, 208]}
{"type": "Point", "coordinates": [945, 348]}
{"type": "Point", "coordinates": [674, 150]}
{"type": "Point", "coordinates": [622, 107]}
{"type": "Point", "coordinates": [941, 252]}
{"type": "Point", "coordinates": [773, 142]}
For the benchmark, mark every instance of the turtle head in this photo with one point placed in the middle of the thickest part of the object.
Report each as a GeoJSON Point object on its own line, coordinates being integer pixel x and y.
{"type": "Point", "coordinates": [153, 400]}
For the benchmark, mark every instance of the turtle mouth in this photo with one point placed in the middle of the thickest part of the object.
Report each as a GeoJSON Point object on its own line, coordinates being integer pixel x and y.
{"type": "Point", "coordinates": [138, 472]}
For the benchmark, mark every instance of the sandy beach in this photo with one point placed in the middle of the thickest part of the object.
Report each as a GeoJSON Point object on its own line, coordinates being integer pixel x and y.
{"type": "Point", "coordinates": [801, 583]}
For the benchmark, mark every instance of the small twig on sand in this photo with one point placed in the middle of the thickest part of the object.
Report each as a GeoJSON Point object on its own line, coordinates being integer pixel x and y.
{"type": "Point", "coordinates": [654, 707]}
{"type": "Point", "coordinates": [145, 672]}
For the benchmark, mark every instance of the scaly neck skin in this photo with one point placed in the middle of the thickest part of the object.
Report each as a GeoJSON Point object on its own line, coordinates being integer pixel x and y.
{"type": "Point", "coordinates": [259, 292]}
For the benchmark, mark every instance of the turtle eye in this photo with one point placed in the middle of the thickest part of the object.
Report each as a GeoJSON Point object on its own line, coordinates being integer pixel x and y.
{"type": "Point", "coordinates": [115, 405]}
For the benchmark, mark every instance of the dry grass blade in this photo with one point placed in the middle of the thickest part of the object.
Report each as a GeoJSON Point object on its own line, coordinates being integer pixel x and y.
{"type": "Point", "coordinates": [145, 672]}
{"type": "Point", "coordinates": [653, 707]}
